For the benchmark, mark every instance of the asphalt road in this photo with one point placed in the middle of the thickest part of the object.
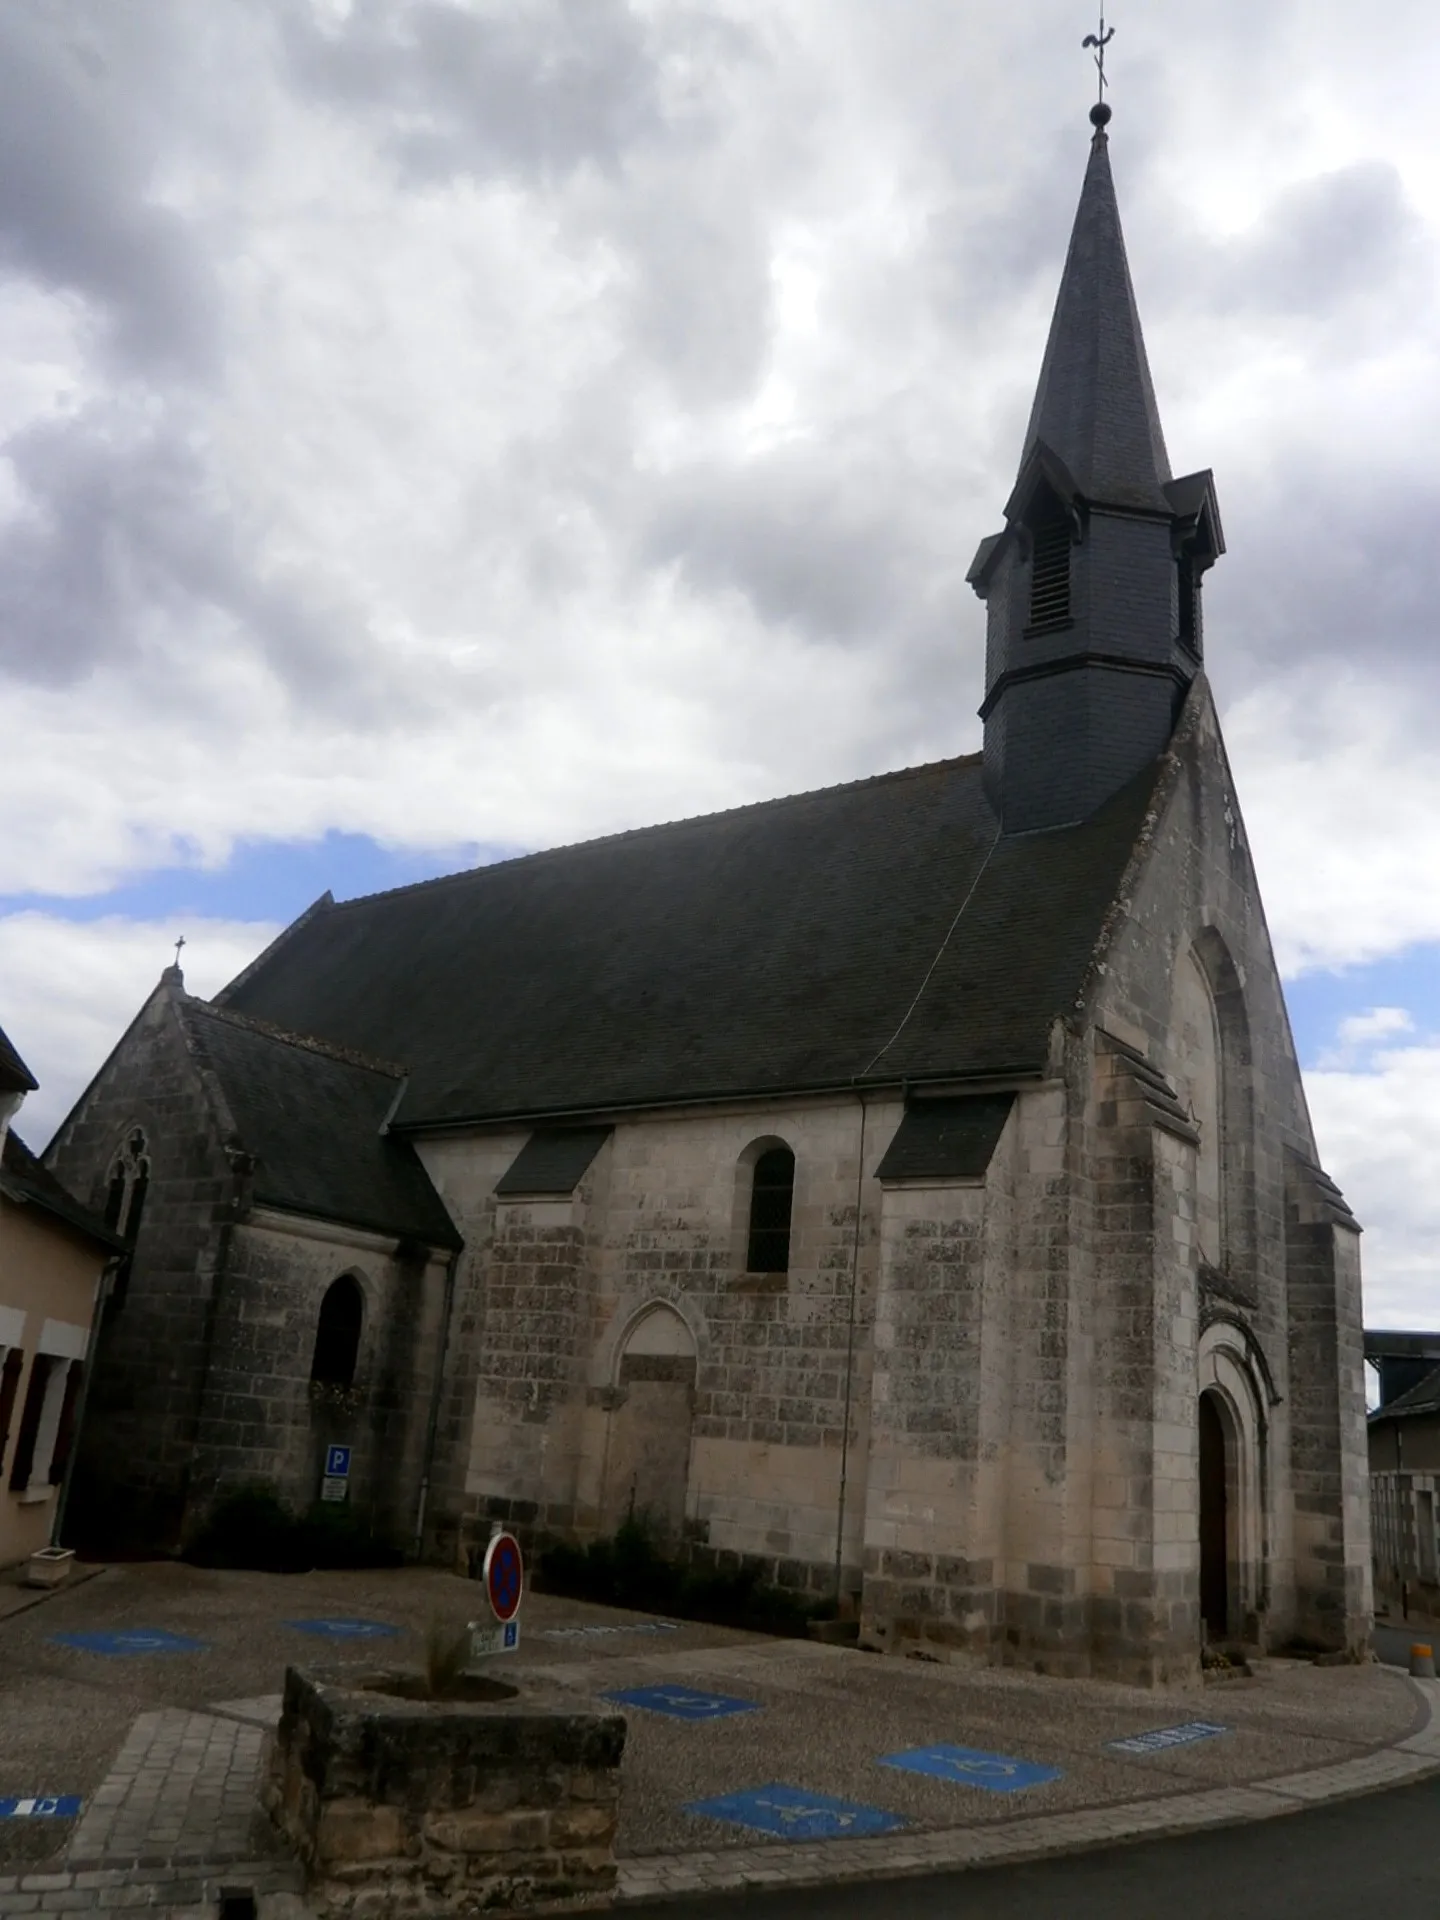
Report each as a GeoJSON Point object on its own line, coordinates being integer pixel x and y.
{"type": "Point", "coordinates": [1379, 1855]}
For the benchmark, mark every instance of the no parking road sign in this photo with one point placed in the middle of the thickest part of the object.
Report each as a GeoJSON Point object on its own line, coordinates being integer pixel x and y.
{"type": "Point", "coordinates": [503, 1577]}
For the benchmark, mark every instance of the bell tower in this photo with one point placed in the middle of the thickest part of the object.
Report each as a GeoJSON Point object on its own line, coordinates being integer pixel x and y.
{"type": "Point", "coordinates": [1092, 589]}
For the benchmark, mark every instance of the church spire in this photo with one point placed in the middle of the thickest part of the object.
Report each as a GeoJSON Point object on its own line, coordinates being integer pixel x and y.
{"type": "Point", "coordinates": [1095, 404]}
{"type": "Point", "coordinates": [1093, 587]}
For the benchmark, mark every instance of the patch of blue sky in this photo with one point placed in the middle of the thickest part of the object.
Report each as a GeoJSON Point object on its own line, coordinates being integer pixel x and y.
{"type": "Point", "coordinates": [1320, 1003]}
{"type": "Point", "coordinates": [265, 880]}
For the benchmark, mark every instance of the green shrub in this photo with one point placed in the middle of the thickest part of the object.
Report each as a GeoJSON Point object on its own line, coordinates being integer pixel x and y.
{"type": "Point", "coordinates": [631, 1569]}
{"type": "Point", "coordinates": [251, 1527]}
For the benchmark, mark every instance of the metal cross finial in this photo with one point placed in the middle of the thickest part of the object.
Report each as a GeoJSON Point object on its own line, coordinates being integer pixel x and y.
{"type": "Point", "coordinates": [178, 945]}
{"type": "Point", "coordinates": [1100, 41]}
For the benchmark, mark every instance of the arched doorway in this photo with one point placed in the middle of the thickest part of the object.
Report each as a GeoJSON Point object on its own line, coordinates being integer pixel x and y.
{"type": "Point", "coordinates": [1215, 1476]}
{"type": "Point", "coordinates": [647, 1458]}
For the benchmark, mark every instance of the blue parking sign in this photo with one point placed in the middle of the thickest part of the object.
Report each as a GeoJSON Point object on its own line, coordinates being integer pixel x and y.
{"type": "Point", "coordinates": [337, 1462]}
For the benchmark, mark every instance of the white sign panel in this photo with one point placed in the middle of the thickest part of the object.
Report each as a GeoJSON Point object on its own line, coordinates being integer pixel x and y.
{"type": "Point", "coordinates": [497, 1637]}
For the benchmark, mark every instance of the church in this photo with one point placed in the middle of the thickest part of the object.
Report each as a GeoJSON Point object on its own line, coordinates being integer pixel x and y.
{"type": "Point", "coordinates": [906, 1188]}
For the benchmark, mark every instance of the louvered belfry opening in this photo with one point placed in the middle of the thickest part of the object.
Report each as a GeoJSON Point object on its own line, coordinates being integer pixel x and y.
{"type": "Point", "coordinates": [1189, 604]}
{"type": "Point", "coordinates": [1050, 571]}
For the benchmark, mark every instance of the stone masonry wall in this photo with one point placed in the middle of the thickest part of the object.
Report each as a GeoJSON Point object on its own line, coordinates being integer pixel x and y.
{"type": "Point", "coordinates": [262, 1418]}
{"type": "Point", "coordinates": [549, 1289]}
{"type": "Point", "coordinates": [136, 1448]}
{"type": "Point", "coordinates": [1196, 893]}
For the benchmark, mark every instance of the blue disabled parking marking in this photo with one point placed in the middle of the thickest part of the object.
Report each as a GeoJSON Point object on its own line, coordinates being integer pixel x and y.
{"type": "Point", "coordinates": [131, 1641]}
{"type": "Point", "coordinates": [792, 1813]}
{"type": "Point", "coordinates": [42, 1806]}
{"type": "Point", "coordinates": [345, 1629]}
{"type": "Point", "coordinates": [969, 1767]}
{"type": "Point", "coordinates": [1166, 1737]}
{"type": "Point", "coordinates": [683, 1703]}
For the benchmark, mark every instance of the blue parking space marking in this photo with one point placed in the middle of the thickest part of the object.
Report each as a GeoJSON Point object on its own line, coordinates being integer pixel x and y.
{"type": "Point", "coordinates": [795, 1814]}
{"type": "Point", "coordinates": [345, 1629]}
{"type": "Point", "coordinates": [969, 1767]}
{"type": "Point", "coordinates": [682, 1703]}
{"type": "Point", "coordinates": [129, 1642]}
{"type": "Point", "coordinates": [1164, 1737]}
{"type": "Point", "coordinates": [42, 1806]}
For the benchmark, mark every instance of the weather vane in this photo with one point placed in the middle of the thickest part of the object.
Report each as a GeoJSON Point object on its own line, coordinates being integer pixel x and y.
{"type": "Point", "coordinates": [1099, 42]}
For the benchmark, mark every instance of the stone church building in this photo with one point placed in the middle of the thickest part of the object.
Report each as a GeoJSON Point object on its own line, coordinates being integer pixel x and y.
{"type": "Point", "coordinates": [907, 1186]}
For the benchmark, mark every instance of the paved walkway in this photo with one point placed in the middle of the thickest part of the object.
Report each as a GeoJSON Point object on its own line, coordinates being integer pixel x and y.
{"type": "Point", "coordinates": [173, 1827]}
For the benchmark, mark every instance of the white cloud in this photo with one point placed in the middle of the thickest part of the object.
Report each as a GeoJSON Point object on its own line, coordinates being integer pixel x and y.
{"type": "Point", "coordinates": [1359, 1034]}
{"type": "Point", "coordinates": [72, 987]}
{"type": "Point", "coordinates": [1379, 1137]}
{"type": "Point", "coordinates": [487, 424]}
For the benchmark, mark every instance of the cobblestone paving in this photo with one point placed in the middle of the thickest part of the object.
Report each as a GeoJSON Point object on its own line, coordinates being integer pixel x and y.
{"type": "Point", "coordinates": [182, 1789]}
{"type": "Point", "coordinates": [174, 1824]}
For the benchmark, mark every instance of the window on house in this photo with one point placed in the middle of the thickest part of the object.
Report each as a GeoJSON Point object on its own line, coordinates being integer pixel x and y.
{"type": "Point", "coordinates": [10, 1373]}
{"type": "Point", "coordinates": [337, 1334]}
{"type": "Point", "coordinates": [1050, 571]}
{"type": "Point", "coordinates": [771, 1197]}
{"type": "Point", "coordinates": [23, 1464]}
{"type": "Point", "coordinates": [65, 1428]}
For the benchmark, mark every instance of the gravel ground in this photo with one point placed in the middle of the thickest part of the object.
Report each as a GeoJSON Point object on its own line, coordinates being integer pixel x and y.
{"type": "Point", "coordinates": [65, 1712]}
{"type": "Point", "coordinates": [826, 1716]}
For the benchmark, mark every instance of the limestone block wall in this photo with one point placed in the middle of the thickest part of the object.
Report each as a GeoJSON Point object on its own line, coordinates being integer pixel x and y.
{"type": "Point", "coordinates": [1194, 901]}
{"type": "Point", "coordinates": [261, 1417]}
{"type": "Point", "coordinates": [136, 1450]}
{"type": "Point", "coordinates": [550, 1291]}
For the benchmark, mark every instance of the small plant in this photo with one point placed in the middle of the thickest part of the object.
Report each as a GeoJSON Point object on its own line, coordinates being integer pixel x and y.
{"type": "Point", "coordinates": [631, 1569]}
{"type": "Point", "coordinates": [447, 1655]}
{"type": "Point", "coordinates": [251, 1526]}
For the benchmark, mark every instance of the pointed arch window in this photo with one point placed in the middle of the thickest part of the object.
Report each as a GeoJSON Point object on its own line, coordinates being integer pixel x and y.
{"type": "Point", "coordinates": [772, 1197]}
{"type": "Point", "coordinates": [125, 1195]}
{"type": "Point", "coordinates": [337, 1333]}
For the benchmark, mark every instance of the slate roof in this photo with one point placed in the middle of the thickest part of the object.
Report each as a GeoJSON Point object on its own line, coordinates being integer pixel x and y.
{"type": "Point", "coordinates": [24, 1180]}
{"type": "Point", "coordinates": [947, 1139]}
{"type": "Point", "coordinates": [880, 931]}
{"type": "Point", "coordinates": [15, 1076]}
{"type": "Point", "coordinates": [553, 1160]}
{"type": "Point", "coordinates": [312, 1120]}
{"type": "Point", "coordinates": [1095, 404]}
{"type": "Point", "coordinates": [1423, 1397]}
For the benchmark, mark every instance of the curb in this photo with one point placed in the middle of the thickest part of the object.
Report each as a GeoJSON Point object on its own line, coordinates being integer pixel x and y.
{"type": "Point", "coordinates": [40, 1595]}
{"type": "Point", "coordinates": [656, 1877]}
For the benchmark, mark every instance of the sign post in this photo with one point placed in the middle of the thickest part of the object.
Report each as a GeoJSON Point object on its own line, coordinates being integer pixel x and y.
{"type": "Point", "coordinates": [503, 1578]}
{"type": "Point", "coordinates": [335, 1482]}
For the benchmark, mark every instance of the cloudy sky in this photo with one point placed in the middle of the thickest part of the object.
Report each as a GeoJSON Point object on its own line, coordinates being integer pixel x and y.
{"type": "Point", "coordinates": [439, 428]}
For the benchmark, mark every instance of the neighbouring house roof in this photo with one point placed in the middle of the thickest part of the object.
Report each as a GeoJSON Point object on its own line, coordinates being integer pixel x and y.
{"type": "Point", "coordinates": [1423, 1397]}
{"type": "Point", "coordinates": [878, 931]}
{"type": "Point", "coordinates": [25, 1182]}
{"type": "Point", "coordinates": [554, 1160]}
{"type": "Point", "coordinates": [15, 1076]}
{"type": "Point", "coordinates": [312, 1118]}
{"type": "Point", "coordinates": [947, 1139]}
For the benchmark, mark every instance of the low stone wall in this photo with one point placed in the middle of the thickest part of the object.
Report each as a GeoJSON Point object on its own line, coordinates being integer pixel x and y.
{"type": "Point", "coordinates": [410, 1807]}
